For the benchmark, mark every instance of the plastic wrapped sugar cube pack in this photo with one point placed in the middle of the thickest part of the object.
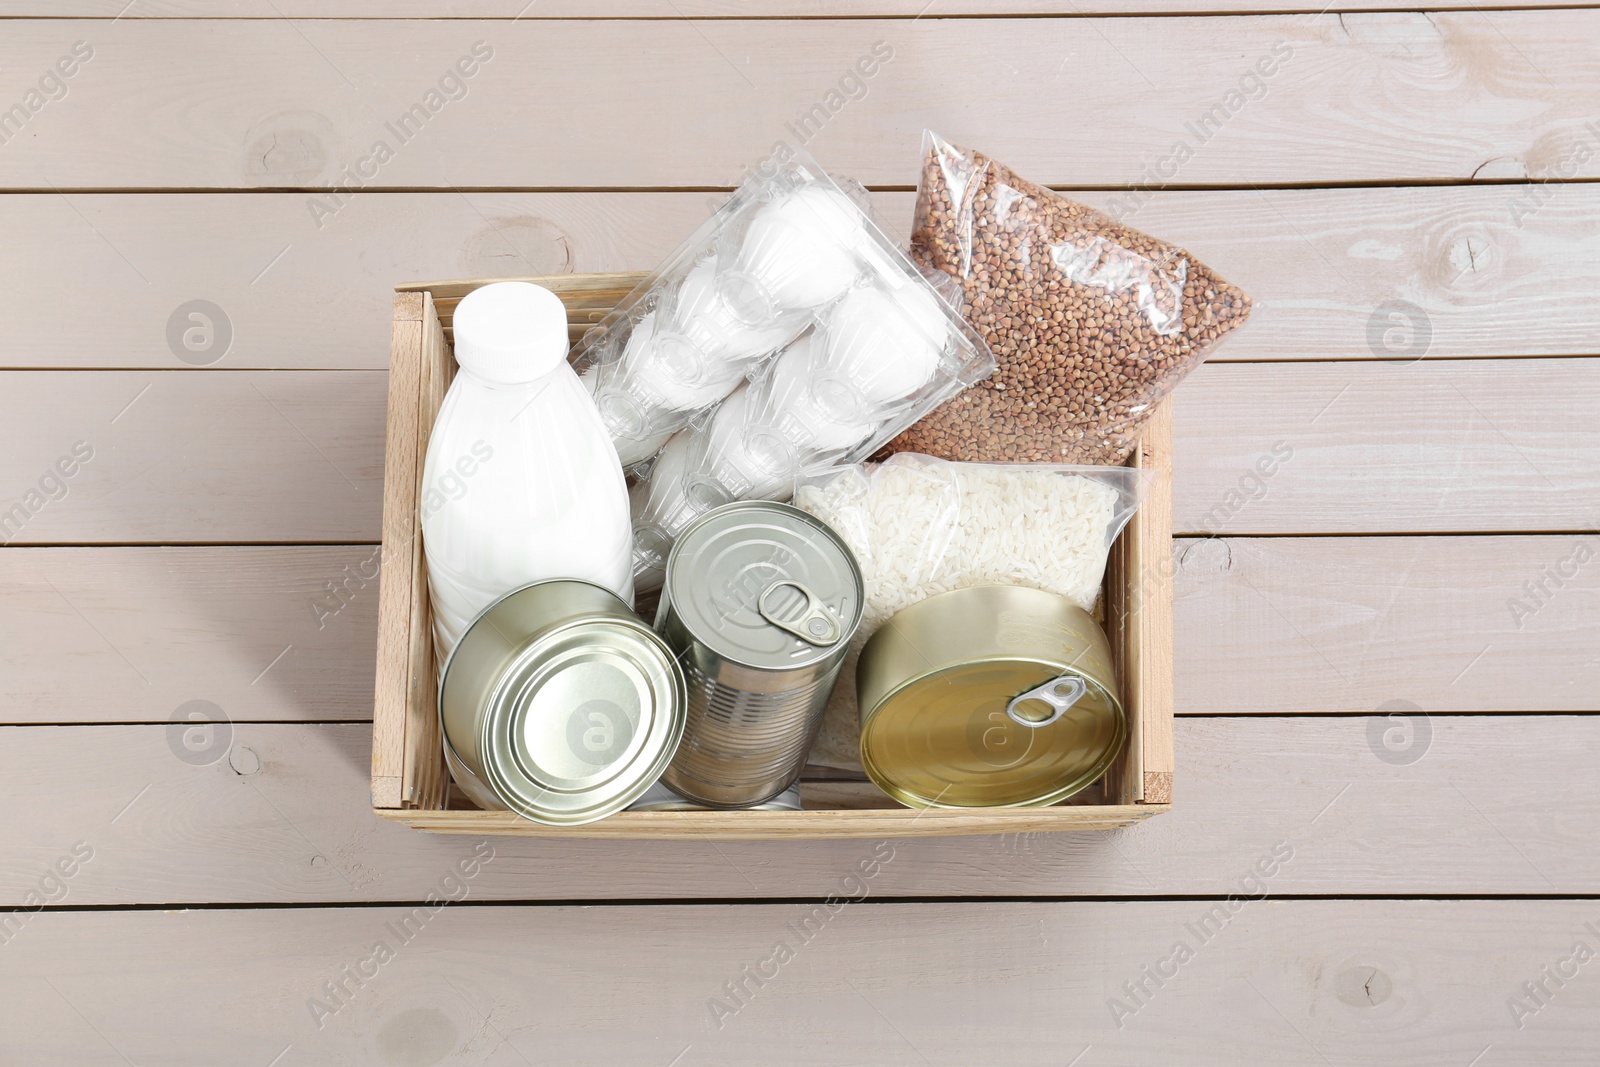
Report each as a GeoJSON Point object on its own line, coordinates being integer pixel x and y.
{"type": "Point", "coordinates": [786, 333]}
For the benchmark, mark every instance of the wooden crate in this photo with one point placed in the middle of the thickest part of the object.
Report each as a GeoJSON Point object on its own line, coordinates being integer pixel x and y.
{"type": "Point", "coordinates": [411, 785]}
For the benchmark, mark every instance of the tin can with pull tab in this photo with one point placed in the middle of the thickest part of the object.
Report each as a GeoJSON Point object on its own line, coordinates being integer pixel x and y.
{"type": "Point", "coordinates": [988, 696]}
{"type": "Point", "coordinates": [759, 604]}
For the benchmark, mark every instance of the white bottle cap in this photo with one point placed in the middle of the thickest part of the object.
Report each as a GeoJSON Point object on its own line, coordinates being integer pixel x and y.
{"type": "Point", "coordinates": [511, 332]}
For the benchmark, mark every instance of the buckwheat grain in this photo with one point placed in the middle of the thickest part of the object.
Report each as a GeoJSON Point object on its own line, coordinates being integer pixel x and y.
{"type": "Point", "coordinates": [1093, 323]}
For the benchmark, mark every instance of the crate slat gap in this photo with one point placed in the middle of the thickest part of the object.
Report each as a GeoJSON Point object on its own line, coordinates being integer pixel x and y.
{"type": "Point", "coordinates": [411, 785]}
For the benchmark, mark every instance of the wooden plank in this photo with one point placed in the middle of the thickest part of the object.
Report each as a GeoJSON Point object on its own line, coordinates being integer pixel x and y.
{"type": "Point", "coordinates": [282, 817]}
{"type": "Point", "coordinates": [1319, 264]}
{"type": "Point", "coordinates": [133, 634]}
{"type": "Point", "coordinates": [1371, 97]}
{"type": "Point", "coordinates": [399, 554]}
{"type": "Point", "coordinates": [1468, 446]}
{"type": "Point", "coordinates": [1435, 447]}
{"type": "Point", "coordinates": [1292, 982]}
{"type": "Point", "coordinates": [1354, 624]}
{"type": "Point", "coordinates": [1267, 626]}
{"type": "Point", "coordinates": [193, 457]}
{"type": "Point", "coordinates": [844, 824]}
{"type": "Point", "coordinates": [669, 9]}
{"type": "Point", "coordinates": [424, 776]}
{"type": "Point", "coordinates": [587, 296]}
{"type": "Point", "coordinates": [1154, 619]}
{"type": "Point", "coordinates": [1138, 622]}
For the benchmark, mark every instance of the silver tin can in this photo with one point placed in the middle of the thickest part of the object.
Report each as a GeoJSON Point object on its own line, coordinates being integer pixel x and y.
{"type": "Point", "coordinates": [759, 605]}
{"type": "Point", "coordinates": [559, 704]}
{"type": "Point", "coordinates": [659, 798]}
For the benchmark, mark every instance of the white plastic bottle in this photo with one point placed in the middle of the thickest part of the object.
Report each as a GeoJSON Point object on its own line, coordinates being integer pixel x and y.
{"type": "Point", "coordinates": [521, 482]}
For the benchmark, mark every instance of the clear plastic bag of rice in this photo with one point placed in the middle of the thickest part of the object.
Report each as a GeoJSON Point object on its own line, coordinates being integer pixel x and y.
{"type": "Point", "coordinates": [921, 526]}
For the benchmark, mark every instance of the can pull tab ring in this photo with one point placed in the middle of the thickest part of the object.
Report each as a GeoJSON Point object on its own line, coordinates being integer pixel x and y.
{"type": "Point", "coordinates": [808, 619]}
{"type": "Point", "coordinates": [1058, 694]}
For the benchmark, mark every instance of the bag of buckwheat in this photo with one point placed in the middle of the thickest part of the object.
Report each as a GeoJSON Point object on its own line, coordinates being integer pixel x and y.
{"type": "Point", "coordinates": [921, 526]}
{"type": "Point", "coordinates": [1093, 323]}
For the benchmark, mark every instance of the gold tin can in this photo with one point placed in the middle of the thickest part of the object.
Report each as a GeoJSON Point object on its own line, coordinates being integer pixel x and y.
{"type": "Point", "coordinates": [992, 696]}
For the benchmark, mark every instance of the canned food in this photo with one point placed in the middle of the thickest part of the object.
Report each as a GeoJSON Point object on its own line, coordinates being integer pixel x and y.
{"type": "Point", "coordinates": [759, 604]}
{"type": "Point", "coordinates": [559, 704]}
{"type": "Point", "coordinates": [988, 696]}
{"type": "Point", "coordinates": [659, 798]}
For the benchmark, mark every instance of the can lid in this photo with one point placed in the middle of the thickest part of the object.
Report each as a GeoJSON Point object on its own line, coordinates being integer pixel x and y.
{"type": "Point", "coordinates": [765, 585]}
{"type": "Point", "coordinates": [582, 721]}
{"type": "Point", "coordinates": [996, 732]}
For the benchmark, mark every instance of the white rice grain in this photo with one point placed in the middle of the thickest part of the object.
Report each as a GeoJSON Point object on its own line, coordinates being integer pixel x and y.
{"type": "Point", "coordinates": [920, 527]}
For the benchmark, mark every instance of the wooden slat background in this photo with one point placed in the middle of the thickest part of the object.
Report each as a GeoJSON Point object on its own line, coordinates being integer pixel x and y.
{"type": "Point", "coordinates": [271, 103]}
{"type": "Point", "coordinates": [1284, 982]}
{"type": "Point", "coordinates": [293, 828]}
{"type": "Point", "coordinates": [1263, 625]}
{"type": "Point", "coordinates": [522, 10]}
{"type": "Point", "coordinates": [1439, 446]}
{"type": "Point", "coordinates": [1424, 552]}
{"type": "Point", "coordinates": [1493, 280]}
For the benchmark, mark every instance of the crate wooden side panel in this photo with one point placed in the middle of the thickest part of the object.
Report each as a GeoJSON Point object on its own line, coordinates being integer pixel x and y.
{"type": "Point", "coordinates": [397, 574]}
{"type": "Point", "coordinates": [793, 825]}
{"type": "Point", "coordinates": [407, 770]}
{"type": "Point", "coordinates": [1148, 580]}
{"type": "Point", "coordinates": [1138, 618]}
{"type": "Point", "coordinates": [426, 775]}
{"type": "Point", "coordinates": [588, 297]}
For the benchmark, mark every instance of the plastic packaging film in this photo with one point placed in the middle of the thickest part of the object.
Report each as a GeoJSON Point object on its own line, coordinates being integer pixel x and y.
{"type": "Point", "coordinates": [1093, 323]}
{"type": "Point", "coordinates": [920, 526]}
{"type": "Point", "coordinates": [786, 333]}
